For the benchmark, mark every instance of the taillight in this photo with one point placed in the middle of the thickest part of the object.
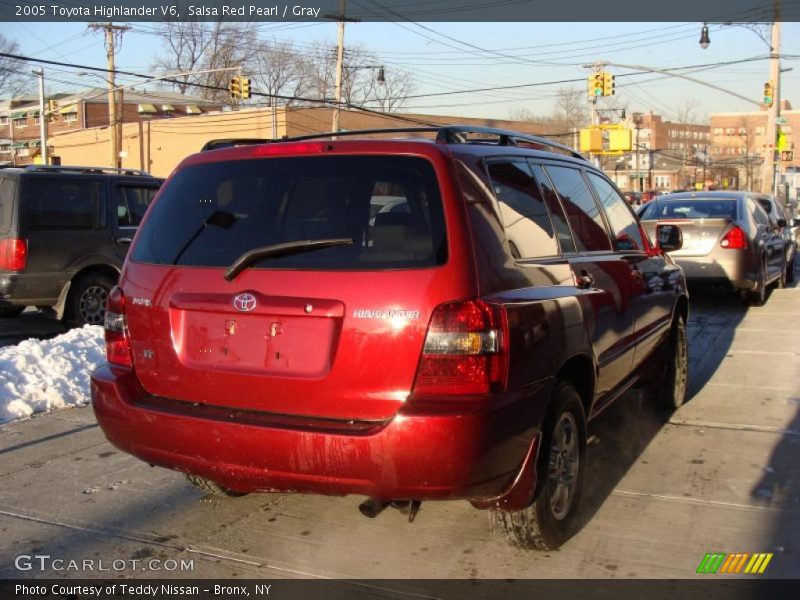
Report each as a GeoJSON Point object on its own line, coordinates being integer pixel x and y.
{"type": "Point", "coordinates": [735, 239]}
{"type": "Point", "coordinates": [13, 254]}
{"type": "Point", "coordinates": [465, 352]}
{"type": "Point", "coordinates": [118, 342]}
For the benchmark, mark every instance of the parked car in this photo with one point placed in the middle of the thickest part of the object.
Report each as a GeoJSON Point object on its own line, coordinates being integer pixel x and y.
{"type": "Point", "coordinates": [729, 243]}
{"type": "Point", "coordinates": [634, 198]}
{"type": "Point", "coordinates": [780, 220]}
{"type": "Point", "coordinates": [280, 341]}
{"type": "Point", "coordinates": [64, 233]}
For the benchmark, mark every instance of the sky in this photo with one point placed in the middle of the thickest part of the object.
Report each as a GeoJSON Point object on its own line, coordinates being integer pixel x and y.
{"type": "Point", "coordinates": [446, 59]}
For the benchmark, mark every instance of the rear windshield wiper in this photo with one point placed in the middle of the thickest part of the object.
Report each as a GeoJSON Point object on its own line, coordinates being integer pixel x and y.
{"type": "Point", "coordinates": [278, 250]}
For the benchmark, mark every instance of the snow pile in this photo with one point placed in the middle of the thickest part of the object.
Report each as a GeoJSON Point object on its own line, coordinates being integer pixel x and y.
{"type": "Point", "coordinates": [44, 375]}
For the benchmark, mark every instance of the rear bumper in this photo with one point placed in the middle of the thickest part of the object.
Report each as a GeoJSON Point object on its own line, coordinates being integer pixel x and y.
{"type": "Point", "coordinates": [21, 289]}
{"type": "Point", "coordinates": [474, 456]}
{"type": "Point", "coordinates": [709, 272]}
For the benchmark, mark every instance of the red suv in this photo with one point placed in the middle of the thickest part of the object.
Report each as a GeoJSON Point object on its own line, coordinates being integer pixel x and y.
{"type": "Point", "coordinates": [273, 332]}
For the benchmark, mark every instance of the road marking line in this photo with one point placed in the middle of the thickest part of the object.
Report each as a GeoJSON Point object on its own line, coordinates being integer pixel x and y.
{"type": "Point", "coordinates": [701, 501]}
{"type": "Point", "coordinates": [735, 426]}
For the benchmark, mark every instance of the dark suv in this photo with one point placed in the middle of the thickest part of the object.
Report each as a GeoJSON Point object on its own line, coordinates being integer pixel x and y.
{"type": "Point", "coordinates": [64, 233]}
{"type": "Point", "coordinates": [272, 332]}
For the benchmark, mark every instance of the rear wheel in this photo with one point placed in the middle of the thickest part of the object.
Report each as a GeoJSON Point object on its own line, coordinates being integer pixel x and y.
{"type": "Point", "coordinates": [86, 304]}
{"type": "Point", "coordinates": [790, 271]}
{"type": "Point", "coordinates": [213, 488]}
{"type": "Point", "coordinates": [9, 312]}
{"type": "Point", "coordinates": [758, 296]}
{"type": "Point", "coordinates": [784, 277]}
{"type": "Point", "coordinates": [553, 517]}
{"type": "Point", "coordinates": [672, 392]}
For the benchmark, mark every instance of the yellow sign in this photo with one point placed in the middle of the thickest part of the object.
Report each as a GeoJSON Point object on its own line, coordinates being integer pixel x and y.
{"type": "Point", "coordinates": [591, 140]}
{"type": "Point", "coordinates": [782, 143]}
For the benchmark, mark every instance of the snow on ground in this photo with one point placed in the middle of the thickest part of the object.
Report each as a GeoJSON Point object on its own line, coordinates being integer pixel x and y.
{"type": "Point", "coordinates": [44, 375]}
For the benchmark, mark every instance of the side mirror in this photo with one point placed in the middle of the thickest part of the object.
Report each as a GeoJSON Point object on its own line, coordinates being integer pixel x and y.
{"type": "Point", "coordinates": [781, 222]}
{"type": "Point", "coordinates": [669, 238]}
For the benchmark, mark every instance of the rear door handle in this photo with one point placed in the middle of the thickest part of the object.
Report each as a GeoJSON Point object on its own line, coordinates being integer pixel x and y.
{"type": "Point", "coordinates": [124, 240]}
{"type": "Point", "coordinates": [585, 280]}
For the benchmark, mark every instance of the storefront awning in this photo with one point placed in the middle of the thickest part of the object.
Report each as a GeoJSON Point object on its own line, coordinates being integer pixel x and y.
{"type": "Point", "coordinates": [70, 108]}
{"type": "Point", "coordinates": [35, 143]}
{"type": "Point", "coordinates": [193, 109]}
{"type": "Point", "coordinates": [167, 108]}
{"type": "Point", "coordinates": [19, 145]}
{"type": "Point", "coordinates": [18, 115]}
{"type": "Point", "coordinates": [147, 109]}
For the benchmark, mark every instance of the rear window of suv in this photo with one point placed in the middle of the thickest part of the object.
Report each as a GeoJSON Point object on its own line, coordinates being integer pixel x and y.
{"type": "Point", "coordinates": [208, 215]}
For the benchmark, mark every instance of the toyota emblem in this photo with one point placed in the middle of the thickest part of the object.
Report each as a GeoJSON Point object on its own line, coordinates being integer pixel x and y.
{"type": "Point", "coordinates": [244, 302]}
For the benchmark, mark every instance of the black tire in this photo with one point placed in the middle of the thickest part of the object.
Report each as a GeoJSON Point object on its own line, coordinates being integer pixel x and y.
{"type": "Point", "coordinates": [552, 519]}
{"type": "Point", "coordinates": [781, 283]}
{"type": "Point", "coordinates": [10, 312]}
{"type": "Point", "coordinates": [213, 488]}
{"type": "Point", "coordinates": [86, 303]}
{"type": "Point", "coordinates": [671, 394]}
{"type": "Point", "coordinates": [790, 271]}
{"type": "Point", "coordinates": [758, 297]}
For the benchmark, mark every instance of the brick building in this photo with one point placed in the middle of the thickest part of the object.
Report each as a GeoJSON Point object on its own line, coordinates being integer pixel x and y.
{"type": "Point", "coordinates": [670, 154]}
{"type": "Point", "coordinates": [739, 140]}
{"type": "Point", "coordinates": [19, 117]}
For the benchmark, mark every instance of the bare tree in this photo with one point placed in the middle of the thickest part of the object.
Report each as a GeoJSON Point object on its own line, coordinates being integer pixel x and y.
{"type": "Point", "coordinates": [569, 109]}
{"type": "Point", "coordinates": [13, 80]}
{"type": "Point", "coordinates": [194, 46]}
{"type": "Point", "coordinates": [281, 71]}
{"type": "Point", "coordinates": [746, 130]}
{"type": "Point", "coordinates": [524, 114]}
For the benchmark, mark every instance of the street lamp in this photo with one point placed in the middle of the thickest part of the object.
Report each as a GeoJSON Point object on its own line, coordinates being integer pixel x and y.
{"type": "Point", "coordinates": [704, 39]}
{"type": "Point", "coordinates": [769, 179]}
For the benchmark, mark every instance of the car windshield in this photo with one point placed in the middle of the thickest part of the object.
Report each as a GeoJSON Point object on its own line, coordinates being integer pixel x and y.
{"type": "Point", "coordinates": [690, 208]}
{"type": "Point", "coordinates": [209, 215]}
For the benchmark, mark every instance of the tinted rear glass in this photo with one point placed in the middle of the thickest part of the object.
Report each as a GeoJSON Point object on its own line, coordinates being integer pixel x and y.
{"type": "Point", "coordinates": [690, 208]}
{"type": "Point", "coordinates": [209, 215]}
{"type": "Point", "coordinates": [7, 192]}
{"type": "Point", "coordinates": [131, 203]}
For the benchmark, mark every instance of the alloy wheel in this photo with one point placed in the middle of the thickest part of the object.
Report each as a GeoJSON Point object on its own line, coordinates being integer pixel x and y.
{"type": "Point", "coordinates": [92, 305]}
{"type": "Point", "coordinates": [563, 467]}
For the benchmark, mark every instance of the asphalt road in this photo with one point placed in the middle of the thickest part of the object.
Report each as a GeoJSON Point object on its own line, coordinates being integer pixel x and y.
{"type": "Point", "coordinates": [722, 475]}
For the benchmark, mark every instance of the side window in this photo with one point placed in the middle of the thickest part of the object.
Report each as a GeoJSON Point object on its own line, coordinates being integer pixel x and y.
{"type": "Point", "coordinates": [759, 215]}
{"type": "Point", "coordinates": [626, 230]}
{"type": "Point", "coordinates": [557, 215]}
{"type": "Point", "coordinates": [131, 202]}
{"type": "Point", "coordinates": [7, 189]}
{"type": "Point", "coordinates": [64, 204]}
{"type": "Point", "coordinates": [522, 208]}
{"type": "Point", "coordinates": [582, 210]}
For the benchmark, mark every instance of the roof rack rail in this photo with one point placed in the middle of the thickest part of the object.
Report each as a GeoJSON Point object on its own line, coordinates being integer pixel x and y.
{"type": "Point", "coordinates": [457, 134]}
{"type": "Point", "coordinates": [79, 169]}
{"type": "Point", "coordinates": [449, 134]}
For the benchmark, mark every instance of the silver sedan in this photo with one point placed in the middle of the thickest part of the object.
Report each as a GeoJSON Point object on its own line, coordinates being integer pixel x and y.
{"type": "Point", "coordinates": [729, 242]}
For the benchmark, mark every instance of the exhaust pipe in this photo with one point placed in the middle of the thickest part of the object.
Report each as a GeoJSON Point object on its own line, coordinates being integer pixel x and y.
{"type": "Point", "coordinates": [372, 507]}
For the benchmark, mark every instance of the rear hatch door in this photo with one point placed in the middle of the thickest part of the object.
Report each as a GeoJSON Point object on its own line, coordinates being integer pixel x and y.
{"type": "Point", "coordinates": [331, 332]}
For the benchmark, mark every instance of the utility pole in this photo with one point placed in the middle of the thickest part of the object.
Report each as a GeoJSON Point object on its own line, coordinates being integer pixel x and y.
{"type": "Point", "coordinates": [110, 31]}
{"type": "Point", "coordinates": [768, 177]}
{"type": "Point", "coordinates": [637, 123]}
{"type": "Point", "coordinates": [42, 116]}
{"type": "Point", "coordinates": [339, 62]}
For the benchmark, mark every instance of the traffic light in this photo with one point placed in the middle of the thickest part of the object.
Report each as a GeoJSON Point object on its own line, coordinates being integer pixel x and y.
{"type": "Point", "coordinates": [769, 93]}
{"type": "Point", "coordinates": [787, 155]}
{"type": "Point", "coordinates": [244, 87]}
{"type": "Point", "coordinates": [608, 84]}
{"type": "Point", "coordinates": [235, 88]}
{"type": "Point", "coordinates": [596, 84]}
